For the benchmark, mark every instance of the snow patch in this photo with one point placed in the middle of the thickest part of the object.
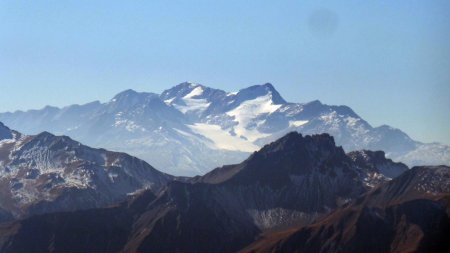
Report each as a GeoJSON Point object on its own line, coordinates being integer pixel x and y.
{"type": "Point", "coordinates": [195, 92]}
{"type": "Point", "coordinates": [191, 103]}
{"type": "Point", "coordinates": [297, 123]}
{"type": "Point", "coordinates": [246, 113]}
{"type": "Point", "coordinates": [223, 139]}
{"type": "Point", "coordinates": [169, 101]}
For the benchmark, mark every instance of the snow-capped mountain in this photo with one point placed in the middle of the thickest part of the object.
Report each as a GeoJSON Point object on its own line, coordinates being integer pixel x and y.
{"type": "Point", "coordinates": [190, 128]}
{"type": "Point", "coordinates": [46, 173]}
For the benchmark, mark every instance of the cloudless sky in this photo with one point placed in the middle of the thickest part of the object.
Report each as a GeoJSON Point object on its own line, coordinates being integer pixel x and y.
{"type": "Point", "coordinates": [388, 60]}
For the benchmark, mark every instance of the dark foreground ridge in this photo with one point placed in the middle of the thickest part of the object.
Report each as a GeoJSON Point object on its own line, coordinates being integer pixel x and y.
{"type": "Point", "coordinates": [408, 214]}
{"type": "Point", "coordinates": [292, 181]}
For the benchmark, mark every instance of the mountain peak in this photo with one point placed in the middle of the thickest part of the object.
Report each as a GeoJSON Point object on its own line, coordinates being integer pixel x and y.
{"type": "Point", "coordinates": [130, 94]}
{"type": "Point", "coordinates": [268, 86]}
{"type": "Point", "coordinates": [127, 92]}
{"type": "Point", "coordinates": [189, 84]}
{"type": "Point", "coordinates": [192, 89]}
{"type": "Point", "coordinates": [5, 132]}
{"type": "Point", "coordinates": [317, 101]}
{"type": "Point", "coordinates": [276, 162]}
{"type": "Point", "coordinates": [186, 86]}
{"type": "Point", "coordinates": [181, 90]}
{"type": "Point", "coordinates": [130, 98]}
{"type": "Point", "coordinates": [296, 141]}
{"type": "Point", "coordinates": [376, 161]}
{"type": "Point", "coordinates": [124, 95]}
{"type": "Point", "coordinates": [46, 138]}
{"type": "Point", "coordinates": [255, 91]}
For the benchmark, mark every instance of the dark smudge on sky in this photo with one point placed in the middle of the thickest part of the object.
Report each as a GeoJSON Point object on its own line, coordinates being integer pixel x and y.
{"type": "Point", "coordinates": [323, 23]}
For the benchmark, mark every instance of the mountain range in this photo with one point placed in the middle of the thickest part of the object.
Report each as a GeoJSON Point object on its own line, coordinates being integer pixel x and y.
{"type": "Point", "coordinates": [189, 129]}
{"type": "Point", "coordinates": [293, 181]}
{"type": "Point", "coordinates": [46, 173]}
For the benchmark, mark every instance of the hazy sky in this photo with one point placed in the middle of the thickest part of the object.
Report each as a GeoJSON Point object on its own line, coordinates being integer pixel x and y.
{"type": "Point", "coordinates": [389, 61]}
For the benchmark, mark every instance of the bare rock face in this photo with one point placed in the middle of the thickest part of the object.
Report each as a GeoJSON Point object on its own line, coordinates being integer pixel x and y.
{"type": "Point", "coordinates": [379, 168]}
{"type": "Point", "coordinates": [46, 173]}
{"type": "Point", "coordinates": [377, 162]}
{"type": "Point", "coordinates": [407, 214]}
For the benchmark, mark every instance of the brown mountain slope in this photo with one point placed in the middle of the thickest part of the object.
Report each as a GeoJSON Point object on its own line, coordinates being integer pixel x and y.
{"type": "Point", "coordinates": [408, 214]}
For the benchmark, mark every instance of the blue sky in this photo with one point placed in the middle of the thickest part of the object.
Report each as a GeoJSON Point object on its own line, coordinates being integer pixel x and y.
{"type": "Point", "coordinates": [389, 61]}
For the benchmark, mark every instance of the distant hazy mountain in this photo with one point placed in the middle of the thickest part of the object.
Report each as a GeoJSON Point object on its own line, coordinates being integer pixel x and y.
{"type": "Point", "coordinates": [408, 214]}
{"type": "Point", "coordinates": [291, 181]}
{"type": "Point", "coordinates": [46, 173]}
{"type": "Point", "coordinates": [190, 129]}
